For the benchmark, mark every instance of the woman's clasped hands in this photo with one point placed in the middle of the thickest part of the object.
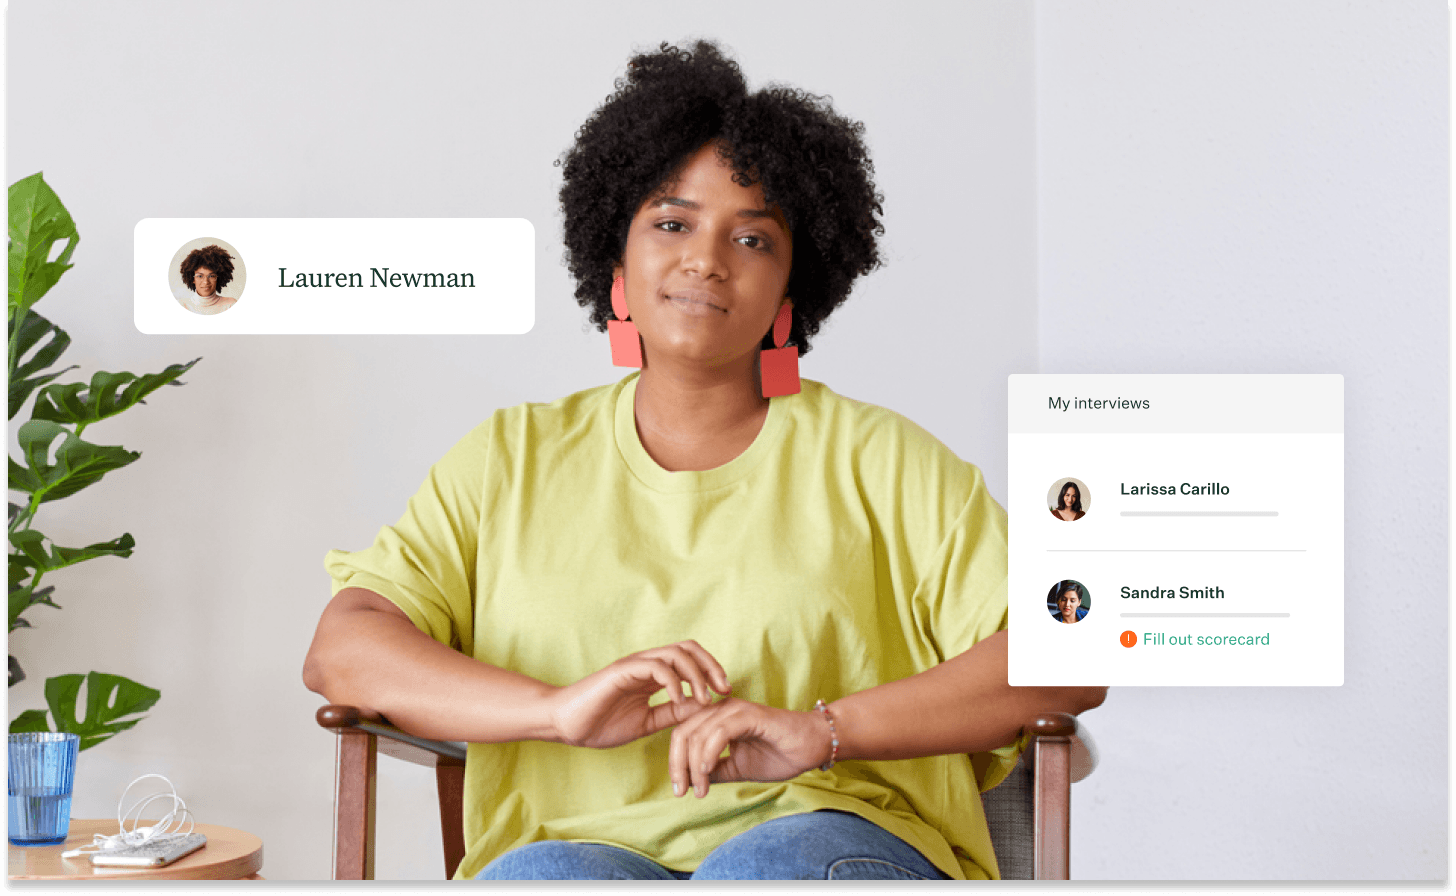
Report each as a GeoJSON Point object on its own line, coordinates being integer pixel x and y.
{"type": "Point", "coordinates": [612, 707]}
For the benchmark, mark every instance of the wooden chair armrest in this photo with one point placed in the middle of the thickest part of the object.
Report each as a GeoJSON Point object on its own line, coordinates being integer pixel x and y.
{"type": "Point", "coordinates": [1063, 726]}
{"type": "Point", "coordinates": [392, 741]}
{"type": "Point", "coordinates": [429, 753]}
{"type": "Point", "coordinates": [360, 739]}
{"type": "Point", "coordinates": [1060, 751]}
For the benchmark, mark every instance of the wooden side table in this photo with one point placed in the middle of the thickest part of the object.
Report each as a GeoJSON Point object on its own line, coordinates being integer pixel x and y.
{"type": "Point", "coordinates": [230, 854]}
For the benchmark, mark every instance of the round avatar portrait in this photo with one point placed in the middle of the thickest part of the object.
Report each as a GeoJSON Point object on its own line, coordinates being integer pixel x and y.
{"type": "Point", "coordinates": [1069, 602]}
{"type": "Point", "coordinates": [1069, 500]}
{"type": "Point", "coordinates": [207, 276]}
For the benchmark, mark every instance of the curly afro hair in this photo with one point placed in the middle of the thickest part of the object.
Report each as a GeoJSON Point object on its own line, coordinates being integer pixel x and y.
{"type": "Point", "coordinates": [810, 162]}
{"type": "Point", "coordinates": [215, 258]}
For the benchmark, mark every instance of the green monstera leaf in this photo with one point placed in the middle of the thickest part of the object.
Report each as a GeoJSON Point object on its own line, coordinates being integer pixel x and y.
{"type": "Point", "coordinates": [45, 556]}
{"type": "Point", "coordinates": [107, 395]}
{"type": "Point", "coordinates": [24, 597]}
{"type": "Point", "coordinates": [38, 221]}
{"type": "Point", "coordinates": [109, 698]}
{"type": "Point", "coordinates": [78, 463]}
{"type": "Point", "coordinates": [32, 553]}
{"type": "Point", "coordinates": [32, 357]}
{"type": "Point", "coordinates": [32, 720]}
{"type": "Point", "coordinates": [17, 675]}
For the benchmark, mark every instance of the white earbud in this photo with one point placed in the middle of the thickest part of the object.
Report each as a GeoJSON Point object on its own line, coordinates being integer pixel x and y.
{"type": "Point", "coordinates": [141, 833]}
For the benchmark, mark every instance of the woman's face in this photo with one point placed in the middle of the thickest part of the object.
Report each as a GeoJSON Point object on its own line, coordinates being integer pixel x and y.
{"type": "Point", "coordinates": [706, 266]}
{"type": "Point", "coordinates": [1069, 496]}
{"type": "Point", "coordinates": [205, 281]}
{"type": "Point", "coordinates": [1067, 604]}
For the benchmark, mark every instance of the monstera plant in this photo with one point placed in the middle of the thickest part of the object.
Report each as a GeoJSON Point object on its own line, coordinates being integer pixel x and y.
{"type": "Point", "coordinates": [56, 462]}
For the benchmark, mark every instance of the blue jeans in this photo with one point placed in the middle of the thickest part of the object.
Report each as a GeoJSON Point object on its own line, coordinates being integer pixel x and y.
{"type": "Point", "coordinates": [824, 845]}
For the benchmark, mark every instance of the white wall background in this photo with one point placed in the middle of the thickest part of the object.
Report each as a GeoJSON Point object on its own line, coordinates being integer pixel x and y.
{"type": "Point", "coordinates": [1261, 187]}
{"type": "Point", "coordinates": [1172, 187]}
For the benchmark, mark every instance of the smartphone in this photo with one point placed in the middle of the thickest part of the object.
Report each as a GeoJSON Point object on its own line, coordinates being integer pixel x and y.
{"type": "Point", "coordinates": [164, 850]}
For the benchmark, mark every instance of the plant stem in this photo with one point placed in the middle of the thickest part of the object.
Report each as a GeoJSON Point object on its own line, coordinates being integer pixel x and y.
{"type": "Point", "coordinates": [12, 341]}
{"type": "Point", "coordinates": [23, 518]}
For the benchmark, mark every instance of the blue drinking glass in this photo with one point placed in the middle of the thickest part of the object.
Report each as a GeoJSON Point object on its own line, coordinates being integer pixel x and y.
{"type": "Point", "coordinates": [42, 773]}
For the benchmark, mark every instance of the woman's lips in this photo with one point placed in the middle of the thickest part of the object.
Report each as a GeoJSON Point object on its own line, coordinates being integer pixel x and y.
{"type": "Point", "coordinates": [692, 301]}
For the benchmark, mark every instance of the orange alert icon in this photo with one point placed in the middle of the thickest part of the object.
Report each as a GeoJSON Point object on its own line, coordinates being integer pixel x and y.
{"type": "Point", "coordinates": [1128, 639]}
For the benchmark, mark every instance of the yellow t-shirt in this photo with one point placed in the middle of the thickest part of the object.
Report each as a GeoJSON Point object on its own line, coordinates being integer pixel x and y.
{"type": "Point", "coordinates": [845, 548]}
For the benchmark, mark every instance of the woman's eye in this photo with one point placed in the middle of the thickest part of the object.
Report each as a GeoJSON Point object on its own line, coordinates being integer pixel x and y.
{"type": "Point", "coordinates": [753, 242]}
{"type": "Point", "coordinates": [671, 226]}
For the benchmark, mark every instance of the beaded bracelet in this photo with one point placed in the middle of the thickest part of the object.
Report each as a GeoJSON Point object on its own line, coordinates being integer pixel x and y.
{"type": "Point", "coordinates": [820, 706]}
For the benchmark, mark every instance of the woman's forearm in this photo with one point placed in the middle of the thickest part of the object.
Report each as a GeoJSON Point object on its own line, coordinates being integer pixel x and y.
{"type": "Point", "coordinates": [367, 653]}
{"type": "Point", "coordinates": [964, 705]}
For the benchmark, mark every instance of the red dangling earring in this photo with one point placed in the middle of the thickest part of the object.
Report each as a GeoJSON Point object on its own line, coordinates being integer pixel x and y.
{"type": "Point", "coordinates": [778, 368]}
{"type": "Point", "coordinates": [626, 344]}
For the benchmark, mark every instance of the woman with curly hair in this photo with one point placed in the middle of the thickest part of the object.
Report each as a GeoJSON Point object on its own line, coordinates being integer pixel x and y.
{"type": "Point", "coordinates": [205, 273]}
{"type": "Point", "coordinates": [709, 621]}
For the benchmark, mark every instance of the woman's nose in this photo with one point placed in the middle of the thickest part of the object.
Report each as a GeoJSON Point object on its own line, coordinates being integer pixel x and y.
{"type": "Point", "coordinates": [705, 254]}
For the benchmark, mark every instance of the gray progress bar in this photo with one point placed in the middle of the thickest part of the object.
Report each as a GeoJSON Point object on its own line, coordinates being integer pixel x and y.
{"type": "Point", "coordinates": [1204, 615]}
{"type": "Point", "coordinates": [1200, 513]}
